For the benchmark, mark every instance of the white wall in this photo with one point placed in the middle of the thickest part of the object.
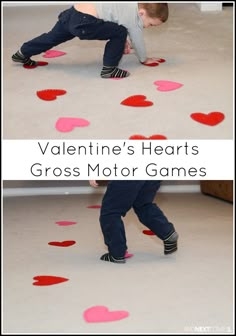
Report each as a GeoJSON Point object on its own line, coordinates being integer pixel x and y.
{"type": "Point", "coordinates": [203, 6]}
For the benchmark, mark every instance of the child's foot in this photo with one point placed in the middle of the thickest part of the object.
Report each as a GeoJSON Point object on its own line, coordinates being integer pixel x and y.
{"type": "Point", "coordinates": [109, 257]}
{"type": "Point", "coordinates": [20, 58]}
{"type": "Point", "coordinates": [170, 243]}
{"type": "Point", "coordinates": [113, 72]}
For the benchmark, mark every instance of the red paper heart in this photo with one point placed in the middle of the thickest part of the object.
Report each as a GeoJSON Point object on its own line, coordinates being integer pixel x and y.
{"type": "Point", "coordinates": [151, 64]}
{"type": "Point", "coordinates": [64, 243]}
{"type": "Point", "coordinates": [161, 60]}
{"type": "Point", "coordinates": [137, 101]}
{"type": "Point", "coordinates": [50, 94]}
{"type": "Point", "coordinates": [40, 63]}
{"type": "Point", "coordinates": [48, 280]}
{"type": "Point", "coordinates": [210, 119]}
{"type": "Point", "coordinates": [148, 232]}
{"type": "Point", "coordinates": [152, 137]}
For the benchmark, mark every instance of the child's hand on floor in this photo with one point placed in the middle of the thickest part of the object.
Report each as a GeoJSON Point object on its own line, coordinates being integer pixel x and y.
{"type": "Point", "coordinates": [93, 183]}
{"type": "Point", "coordinates": [128, 47]}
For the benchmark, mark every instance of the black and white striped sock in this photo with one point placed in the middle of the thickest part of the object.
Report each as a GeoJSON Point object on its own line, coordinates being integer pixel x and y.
{"type": "Point", "coordinates": [170, 243]}
{"type": "Point", "coordinates": [109, 257]}
{"type": "Point", "coordinates": [113, 72]}
{"type": "Point", "coordinates": [20, 58]}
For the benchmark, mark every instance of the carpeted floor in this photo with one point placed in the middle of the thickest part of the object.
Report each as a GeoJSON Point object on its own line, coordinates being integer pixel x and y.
{"type": "Point", "coordinates": [197, 47]}
{"type": "Point", "coordinates": [181, 293]}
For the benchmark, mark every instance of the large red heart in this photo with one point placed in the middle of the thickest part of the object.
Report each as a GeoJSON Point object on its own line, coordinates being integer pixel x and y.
{"type": "Point", "coordinates": [137, 101]}
{"type": "Point", "coordinates": [48, 280]}
{"type": "Point", "coordinates": [148, 232]}
{"type": "Point", "coordinates": [64, 243]}
{"type": "Point", "coordinates": [102, 314]}
{"type": "Point", "coordinates": [152, 137]}
{"type": "Point", "coordinates": [50, 94]}
{"type": "Point", "coordinates": [210, 119]}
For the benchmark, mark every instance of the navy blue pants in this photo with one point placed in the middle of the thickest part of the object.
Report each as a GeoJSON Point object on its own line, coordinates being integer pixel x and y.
{"type": "Point", "coordinates": [72, 23]}
{"type": "Point", "coordinates": [118, 199]}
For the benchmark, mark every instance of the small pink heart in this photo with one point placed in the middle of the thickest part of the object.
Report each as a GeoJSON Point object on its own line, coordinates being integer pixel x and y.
{"type": "Point", "coordinates": [163, 85]}
{"type": "Point", "coordinates": [53, 53]}
{"type": "Point", "coordinates": [65, 223]}
{"type": "Point", "coordinates": [128, 255]}
{"type": "Point", "coordinates": [102, 314]}
{"type": "Point", "coordinates": [68, 124]}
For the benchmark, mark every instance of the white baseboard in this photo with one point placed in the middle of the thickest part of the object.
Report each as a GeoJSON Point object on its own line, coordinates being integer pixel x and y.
{"type": "Point", "coordinates": [209, 6]}
{"type": "Point", "coordinates": [13, 192]}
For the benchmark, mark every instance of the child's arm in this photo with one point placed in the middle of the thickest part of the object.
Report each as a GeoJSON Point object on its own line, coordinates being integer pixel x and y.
{"type": "Point", "coordinates": [93, 183]}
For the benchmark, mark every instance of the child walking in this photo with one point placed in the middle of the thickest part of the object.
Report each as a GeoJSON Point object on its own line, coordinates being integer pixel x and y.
{"type": "Point", "coordinates": [119, 198]}
{"type": "Point", "coordinates": [111, 22]}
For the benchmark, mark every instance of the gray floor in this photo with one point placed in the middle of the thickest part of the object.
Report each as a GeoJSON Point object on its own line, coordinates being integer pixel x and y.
{"type": "Point", "coordinates": [197, 46]}
{"type": "Point", "coordinates": [181, 293]}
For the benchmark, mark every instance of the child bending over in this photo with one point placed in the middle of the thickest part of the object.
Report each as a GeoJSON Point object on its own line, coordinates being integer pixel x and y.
{"type": "Point", "coordinates": [111, 22]}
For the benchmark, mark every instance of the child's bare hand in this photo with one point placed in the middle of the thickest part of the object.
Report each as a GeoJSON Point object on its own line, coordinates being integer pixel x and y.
{"type": "Point", "coordinates": [93, 183]}
{"type": "Point", "coordinates": [128, 47]}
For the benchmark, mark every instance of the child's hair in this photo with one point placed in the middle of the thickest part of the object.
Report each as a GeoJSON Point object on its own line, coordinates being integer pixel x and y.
{"type": "Point", "coordinates": [156, 10]}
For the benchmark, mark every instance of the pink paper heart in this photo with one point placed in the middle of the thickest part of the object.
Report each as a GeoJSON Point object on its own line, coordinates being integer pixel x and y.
{"type": "Point", "coordinates": [102, 314]}
{"type": "Point", "coordinates": [65, 223]}
{"type": "Point", "coordinates": [53, 53]}
{"type": "Point", "coordinates": [128, 255]}
{"type": "Point", "coordinates": [68, 124]}
{"type": "Point", "coordinates": [163, 85]}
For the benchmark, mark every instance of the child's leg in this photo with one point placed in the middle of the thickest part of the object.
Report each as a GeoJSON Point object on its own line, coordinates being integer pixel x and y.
{"type": "Point", "coordinates": [44, 42]}
{"type": "Point", "coordinates": [88, 27]}
{"type": "Point", "coordinates": [118, 199]}
{"type": "Point", "coordinates": [152, 216]}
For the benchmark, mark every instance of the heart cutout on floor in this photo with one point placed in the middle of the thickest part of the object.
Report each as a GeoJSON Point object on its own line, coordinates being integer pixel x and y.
{"type": "Point", "coordinates": [163, 85]}
{"type": "Point", "coordinates": [53, 53]}
{"type": "Point", "coordinates": [137, 101]}
{"type": "Point", "coordinates": [128, 255]}
{"type": "Point", "coordinates": [94, 206]}
{"type": "Point", "coordinates": [149, 233]}
{"type": "Point", "coordinates": [50, 94]}
{"type": "Point", "coordinates": [65, 223]}
{"type": "Point", "coordinates": [154, 64]}
{"type": "Point", "coordinates": [68, 124]}
{"type": "Point", "coordinates": [152, 137]}
{"type": "Point", "coordinates": [48, 280]}
{"type": "Point", "coordinates": [210, 119]}
{"type": "Point", "coordinates": [65, 243]}
{"type": "Point", "coordinates": [97, 314]}
{"type": "Point", "coordinates": [39, 63]}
